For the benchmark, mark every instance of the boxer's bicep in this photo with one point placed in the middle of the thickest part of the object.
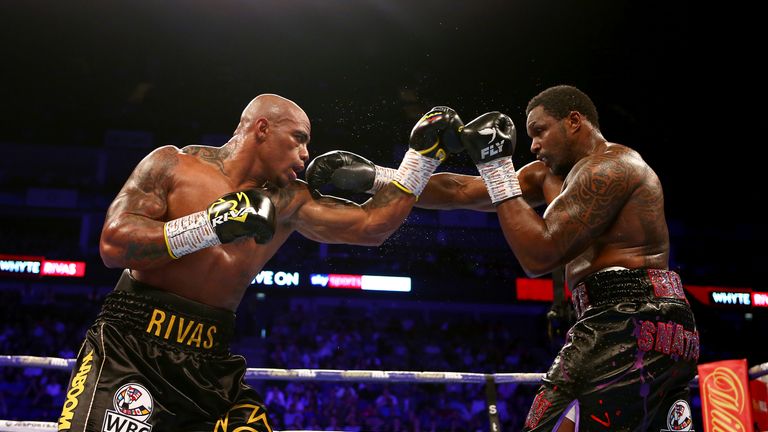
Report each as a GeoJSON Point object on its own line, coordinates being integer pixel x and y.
{"type": "Point", "coordinates": [145, 193]}
{"type": "Point", "coordinates": [531, 178]}
{"type": "Point", "coordinates": [589, 203]}
{"type": "Point", "coordinates": [133, 228]}
{"type": "Point", "coordinates": [330, 219]}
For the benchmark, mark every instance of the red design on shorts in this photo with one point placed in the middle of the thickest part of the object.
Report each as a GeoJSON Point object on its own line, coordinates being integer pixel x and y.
{"type": "Point", "coordinates": [539, 407]}
{"type": "Point", "coordinates": [666, 284]}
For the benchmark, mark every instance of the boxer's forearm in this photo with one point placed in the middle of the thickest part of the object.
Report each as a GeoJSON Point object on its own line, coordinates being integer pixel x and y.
{"type": "Point", "coordinates": [450, 191]}
{"type": "Point", "coordinates": [329, 219]}
{"type": "Point", "coordinates": [133, 241]}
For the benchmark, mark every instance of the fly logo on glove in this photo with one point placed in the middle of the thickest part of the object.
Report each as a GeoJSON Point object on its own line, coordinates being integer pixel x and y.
{"type": "Point", "coordinates": [490, 141]}
{"type": "Point", "coordinates": [493, 148]}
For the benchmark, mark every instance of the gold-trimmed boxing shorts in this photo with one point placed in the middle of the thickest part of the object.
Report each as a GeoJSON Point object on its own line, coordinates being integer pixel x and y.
{"type": "Point", "coordinates": [627, 361]}
{"type": "Point", "coordinates": [154, 361]}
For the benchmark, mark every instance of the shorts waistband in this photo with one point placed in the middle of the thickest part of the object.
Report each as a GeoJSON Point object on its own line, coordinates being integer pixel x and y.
{"type": "Point", "coordinates": [167, 318]}
{"type": "Point", "coordinates": [616, 286]}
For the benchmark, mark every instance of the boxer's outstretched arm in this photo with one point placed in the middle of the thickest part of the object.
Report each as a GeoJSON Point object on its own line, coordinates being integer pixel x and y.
{"type": "Point", "coordinates": [450, 191]}
{"type": "Point", "coordinates": [329, 219]}
{"type": "Point", "coordinates": [132, 235]}
{"type": "Point", "coordinates": [444, 191]}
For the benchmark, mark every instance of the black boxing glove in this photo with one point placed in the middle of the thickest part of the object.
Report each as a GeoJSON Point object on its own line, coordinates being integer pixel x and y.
{"type": "Point", "coordinates": [490, 141]}
{"type": "Point", "coordinates": [435, 132]}
{"type": "Point", "coordinates": [249, 213]}
{"type": "Point", "coordinates": [347, 171]}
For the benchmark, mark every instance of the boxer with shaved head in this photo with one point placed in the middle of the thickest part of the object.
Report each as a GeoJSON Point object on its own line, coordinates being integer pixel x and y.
{"type": "Point", "coordinates": [191, 228]}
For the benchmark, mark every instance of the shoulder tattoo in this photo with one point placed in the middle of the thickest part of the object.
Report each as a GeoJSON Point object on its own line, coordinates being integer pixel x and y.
{"type": "Point", "coordinates": [147, 190]}
{"type": "Point", "coordinates": [649, 199]}
{"type": "Point", "coordinates": [212, 155]}
{"type": "Point", "coordinates": [158, 172]}
{"type": "Point", "coordinates": [598, 190]}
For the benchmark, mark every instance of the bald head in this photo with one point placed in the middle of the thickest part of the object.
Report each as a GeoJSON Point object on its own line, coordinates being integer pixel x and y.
{"type": "Point", "coordinates": [272, 107]}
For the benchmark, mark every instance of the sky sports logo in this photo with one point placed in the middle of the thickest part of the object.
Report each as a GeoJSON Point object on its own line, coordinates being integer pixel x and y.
{"type": "Point", "coordinates": [332, 280]}
{"type": "Point", "coordinates": [362, 282]}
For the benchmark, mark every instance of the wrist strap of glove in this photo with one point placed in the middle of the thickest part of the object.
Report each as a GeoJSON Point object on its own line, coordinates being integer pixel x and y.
{"type": "Point", "coordinates": [500, 179]}
{"type": "Point", "coordinates": [414, 172]}
{"type": "Point", "coordinates": [188, 234]}
{"type": "Point", "coordinates": [384, 176]}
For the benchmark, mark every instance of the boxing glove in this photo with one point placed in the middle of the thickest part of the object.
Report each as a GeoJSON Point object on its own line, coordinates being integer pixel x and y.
{"type": "Point", "coordinates": [347, 171]}
{"type": "Point", "coordinates": [488, 137]}
{"type": "Point", "coordinates": [490, 141]}
{"type": "Point", "coordinates": [248, 213]}
{"type": "Point", "coordinates": [435, 132]}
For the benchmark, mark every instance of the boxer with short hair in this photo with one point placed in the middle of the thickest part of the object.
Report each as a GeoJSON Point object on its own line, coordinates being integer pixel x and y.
{"type": "Point", "coordinates": [627, 361]}
{"type": "Point", "coordinates": [632, 352]}
{"type": "Point", "coordinates": [192, 227]}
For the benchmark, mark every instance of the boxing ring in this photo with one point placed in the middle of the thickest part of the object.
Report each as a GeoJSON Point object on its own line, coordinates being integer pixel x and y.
{"type": "Point", "coordinates": [490, 381]}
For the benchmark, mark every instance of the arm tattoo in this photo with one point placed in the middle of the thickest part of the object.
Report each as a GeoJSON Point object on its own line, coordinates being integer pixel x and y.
{"type": "Point", "coordinates": [591, 200]}
{"type": "Point", "coordinates": [281, 197]}
{"type": "Point", "coordinates": [383, 198]}
{"type": "Point", "coordinates": [336, 202]}
{"type": "Point", "coordinates": [138, 210]}
{"type": "Point", "coordinates": [650, 201]}
{"type": "Point", "coordinates": [142, 251]}
{"type": "Point", "coordinates": [598, 191]}
{"type": "Point", "coordinates": [154, 180]}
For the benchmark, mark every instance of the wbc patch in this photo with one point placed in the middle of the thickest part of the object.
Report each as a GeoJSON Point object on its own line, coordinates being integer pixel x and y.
{"type": "Point", "coordinates": [679, 417]}
{"type": "Point", "coordinates": [133, 405]}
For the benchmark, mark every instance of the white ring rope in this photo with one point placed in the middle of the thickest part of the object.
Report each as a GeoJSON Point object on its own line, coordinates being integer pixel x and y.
{"type": "Point", "coordinates": [345, 375]}
{"type": "Point", "coordinates": [316, 374]}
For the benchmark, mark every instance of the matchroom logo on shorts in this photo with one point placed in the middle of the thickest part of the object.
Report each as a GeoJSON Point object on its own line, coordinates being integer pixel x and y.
{"type": "Point", "coordinates": [679, 417]}
{"type": "Point", "coordinates": [133, 405]}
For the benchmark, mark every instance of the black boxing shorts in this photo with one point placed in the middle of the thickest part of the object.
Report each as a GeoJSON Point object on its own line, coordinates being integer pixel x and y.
{"type": "Point", "coordinates": [156, 361]}
{"type": "Point", "coordinates": [627, 361]}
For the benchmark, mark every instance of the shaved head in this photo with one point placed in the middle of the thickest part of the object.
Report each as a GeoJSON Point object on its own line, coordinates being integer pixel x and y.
{"type": "Point", "coordinates": [272, 107]}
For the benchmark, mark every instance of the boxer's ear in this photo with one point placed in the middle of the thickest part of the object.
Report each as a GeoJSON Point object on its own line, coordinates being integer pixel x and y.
{"type": "Point", "coordinates": [261, 128]}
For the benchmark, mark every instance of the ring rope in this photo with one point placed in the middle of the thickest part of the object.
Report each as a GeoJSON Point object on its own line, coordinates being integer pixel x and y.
{"type": "Point", "coordinates": [316, 374]}
{"type": "Point", "coordinates": [57, 363]}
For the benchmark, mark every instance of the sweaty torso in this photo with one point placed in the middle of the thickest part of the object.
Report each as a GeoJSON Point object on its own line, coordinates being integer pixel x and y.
{"type": "Point", "coordinates": [636, 235]}
{"type": "Point", "coordinates": [217, 276]}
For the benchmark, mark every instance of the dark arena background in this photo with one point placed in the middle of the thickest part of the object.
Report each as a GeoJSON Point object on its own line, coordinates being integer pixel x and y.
{"type": "Point", "coordinates": [88, 88]}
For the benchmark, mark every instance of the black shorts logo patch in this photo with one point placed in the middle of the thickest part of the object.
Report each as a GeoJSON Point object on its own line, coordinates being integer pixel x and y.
{"type": "Point", "coordinates": [133, 405]}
